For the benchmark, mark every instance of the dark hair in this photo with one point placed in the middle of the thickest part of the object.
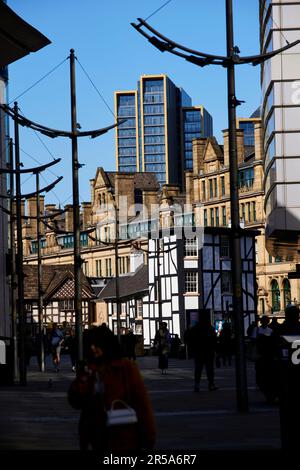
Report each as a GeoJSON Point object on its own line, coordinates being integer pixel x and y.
{"type": "Point", "coordinates": [292, 313]}
{"type": "Point", "coordinates": [107, 341]}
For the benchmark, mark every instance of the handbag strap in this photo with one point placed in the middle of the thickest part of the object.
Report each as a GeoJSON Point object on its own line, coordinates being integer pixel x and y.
{"type": "Point", "coordinates": [119, 401]}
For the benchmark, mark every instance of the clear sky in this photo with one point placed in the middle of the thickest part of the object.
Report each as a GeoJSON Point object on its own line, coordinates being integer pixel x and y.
{"type": "Point", "coordinates": [114, 55]}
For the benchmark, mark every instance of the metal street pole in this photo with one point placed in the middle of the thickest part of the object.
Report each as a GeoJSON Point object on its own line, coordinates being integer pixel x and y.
{"type": "Point", "coordinates": [13, 297]}
{"type": "Point", "coordinates": [40, 292]}
{"type": "Point", "coordinates": [236, 263]}
{"type": "Point", "coordinates": [76, 214]}
{"type": "Point", "coordinates": [159, 299]}
{"type": "Point", "coordinates": [19, 265]}
{"type": "Point", "coordinates": [117, 273]}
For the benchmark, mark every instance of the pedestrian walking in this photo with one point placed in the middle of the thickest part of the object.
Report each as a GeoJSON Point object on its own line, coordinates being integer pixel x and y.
{"type": "Point", "coordinates": [162, 342]}
{"type": "Point", "coordinates": [202, 342]}
{"type": "Point", "coordinates": [225, 339]}
{"type": "Point", "coordinates": [129, 341]}
{"type": "Point", "coordinates": [71, 346]}
{"type": "Point", "coordinates": [111, 382]}
{"type": "Point", "coordinates": [57, 339]}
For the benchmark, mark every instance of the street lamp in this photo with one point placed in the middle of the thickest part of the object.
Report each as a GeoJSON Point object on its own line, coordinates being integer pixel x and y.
{"type": "Point", "coordinates": [229, 61]}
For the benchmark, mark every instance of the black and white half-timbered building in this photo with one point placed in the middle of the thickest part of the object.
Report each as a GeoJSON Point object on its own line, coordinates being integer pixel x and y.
{"type": "Point", "coordinates": [58, 297]}
{"type": "Point", "coordinates": [188, 276]}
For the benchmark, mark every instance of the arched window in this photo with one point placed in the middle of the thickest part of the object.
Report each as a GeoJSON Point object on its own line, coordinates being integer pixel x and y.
{"type": "Point", "coordinates": [286, 292]}
{"type": "Point", "coordinates": [275, 296]}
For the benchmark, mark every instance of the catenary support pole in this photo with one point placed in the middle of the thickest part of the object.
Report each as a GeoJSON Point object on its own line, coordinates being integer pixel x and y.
{"type": "Point", "coordinates": [76, 214]}
{"type": "Point", "coordinates": [41, 351]}
{"type": "Point", "coordinates": [117, 293]}
{"type": "Point", "coordinates": [236, 264]}
{"type": "Point", "coordinates": [21, 310]}
{"type": "Point", "coordinates": [12, 226]}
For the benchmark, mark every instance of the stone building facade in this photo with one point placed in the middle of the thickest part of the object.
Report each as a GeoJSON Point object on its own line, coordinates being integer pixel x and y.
{"type": "Point", "coordinates": [208, 190]}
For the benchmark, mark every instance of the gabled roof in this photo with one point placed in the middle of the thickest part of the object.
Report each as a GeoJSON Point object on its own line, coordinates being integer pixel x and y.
{"type": "Point", "coordinates": [57, 281]}
{"type": "Point", "coordinates": [133, 285]}
{"type": "Point", "coordinates": [212, 142]}
{"type": "Point", "coordinates": [142, 180]}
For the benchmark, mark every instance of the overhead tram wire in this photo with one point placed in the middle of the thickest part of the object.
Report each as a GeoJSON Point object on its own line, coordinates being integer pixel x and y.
{"type": "Point", "coordinates": [37, 161]}
{"type": "Point", "coordinates": [279, 29]}
{"type": "Point", "coordinates": [91, 81]}
{"type": "Point", "coordinates": [39, 81]}
{"type": "Point", "coordinates": [94, 86]}
{"type": "Point", "coordinates": [36, 83]}
{"type": "Point", "coordinates": [158, 9]}
{"type": "Point", "coordinates": [52, 191]}
{"type": "Point", "coordinates": [42, 176]}
{"type": "Point", "coordinates": [41, 141]}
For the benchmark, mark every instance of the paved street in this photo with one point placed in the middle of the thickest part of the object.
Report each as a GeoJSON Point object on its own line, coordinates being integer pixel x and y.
{"type": "Point", "coordinates": [38, 416]}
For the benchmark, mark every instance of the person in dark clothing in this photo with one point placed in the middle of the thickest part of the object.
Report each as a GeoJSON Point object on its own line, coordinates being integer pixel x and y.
{"type": "Point", "coordinates": [202, 342]}
{"type": "Point", "coordinates": [162, 343]}
{"type": "Point", "coordinates": [291, 324]}
{"type": "Point", "coordinates": [274, 325]}
{"type": "Point", "coordinates": [129, 341]}
{"type": "Point", "coordinates": [251, 330]}
{"type": "Point", "coordinates": [71, 347]}
{"type": "Point", "coordinates": [109, 382]}
{"type": "Point", "coordinates": [289, 381]}
{"type": "Point", "coordinates": [57, 339]}
{"type": "Point", "coordinates": [175, 346]}
{"type": "Point", "coordinates": [226, 343]}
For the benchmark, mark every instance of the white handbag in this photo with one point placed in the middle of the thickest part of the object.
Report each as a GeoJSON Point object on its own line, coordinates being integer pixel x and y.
{"type": "Point", "coordinates": [116, 417]}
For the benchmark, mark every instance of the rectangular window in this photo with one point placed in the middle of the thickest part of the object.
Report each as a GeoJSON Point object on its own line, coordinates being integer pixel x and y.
{"type": "Point", "coordinates": [190, 247]}
{"type": "Point", "coordinates": [224, 247]}
{"type": "Point", "coordinates": [86, 268]}
{"type": "Point", "coordinates": [203, 191]}
{"type": "Point", "coordinates": [215, 187]}
{"type": "Point", "coordinates": [243, 215]}
{"type": "Point", "coordinates": [191, 281]}
{"type": "Point", "coordinates": [211, 191]}
{"type": "Point", "coordinates": [224, 222]}
{"type": "Point", "coordinates": [253, 211]}
{"type": "Point", "coordinates": [249, 212]}
{"type": "Point", "coordinates": [107, 234]}
{"type": "Point", "coordinates": [205, 218]}
{"type": "Point", "coordinates": [139, 309]}
{"type": "Point", "coordinates": [222, 186]}
{"type": "Point", "coordinates": [226, 282]}
{"type": "Point", "coordinates": [270, 259]}
{"type": "Point", "coordinates": [217, 217]}
{"type": "Point", "coordinates": [212, 217]}
{"type": "Point", "coordinates": [108, 266]}
{"type": "Point", "coordinates": [98, 268]}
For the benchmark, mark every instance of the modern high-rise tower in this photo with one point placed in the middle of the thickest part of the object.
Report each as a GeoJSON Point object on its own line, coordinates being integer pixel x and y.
{"type": "Point", "coordinates": [280, 80]}
{"type": "Point", "coordinates": [160, 124]}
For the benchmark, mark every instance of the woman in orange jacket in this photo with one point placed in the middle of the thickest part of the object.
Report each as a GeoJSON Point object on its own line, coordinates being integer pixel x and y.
{"type": "Point", "coordinates": [107, 378]}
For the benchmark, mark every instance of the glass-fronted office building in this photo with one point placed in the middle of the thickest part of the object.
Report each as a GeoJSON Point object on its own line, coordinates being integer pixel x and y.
{"type": "Point", "coordinates": [197, 122]}
{"type": "Point", "coordinates": [160, 123]}
{"type": "Point", "coordinates": [280, 81]}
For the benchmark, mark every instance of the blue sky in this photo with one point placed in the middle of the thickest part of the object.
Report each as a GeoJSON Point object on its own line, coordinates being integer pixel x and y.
{"type": "Point", "coordinates": [115, 55]}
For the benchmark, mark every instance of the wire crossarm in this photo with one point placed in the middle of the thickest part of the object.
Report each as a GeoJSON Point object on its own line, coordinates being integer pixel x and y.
{"type": "Point", "coordinates": [48, 131]}
{"type": "Point", "coordinates": [164, 44]}
{"type": "Point", "coordinates": [35, 170]}
{"type": "Point", "coordinates": [29, 195]}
